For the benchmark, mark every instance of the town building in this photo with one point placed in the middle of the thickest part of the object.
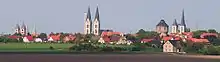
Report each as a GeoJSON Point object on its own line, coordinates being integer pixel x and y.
{"type": "Point", "coordinates": [162, 27]}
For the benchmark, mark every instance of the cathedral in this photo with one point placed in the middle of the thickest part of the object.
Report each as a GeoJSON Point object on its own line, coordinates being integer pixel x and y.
{"type": "Point", "coordinates": [92, 27]}
{"type": "Point", "coordinates": [179, 28]}
{"type": "Point", "coordinates": [21, 29]}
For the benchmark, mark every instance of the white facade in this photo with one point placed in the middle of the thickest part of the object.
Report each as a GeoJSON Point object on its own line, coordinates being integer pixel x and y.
{"type": "Point", "coordinates": [101, 40]}
{"type": "Point", "coordinates": [174, 29]}
{"type": "Point", "coordinates": [25, 39]}
{"type": "Point", "coordinates": [96, 27]}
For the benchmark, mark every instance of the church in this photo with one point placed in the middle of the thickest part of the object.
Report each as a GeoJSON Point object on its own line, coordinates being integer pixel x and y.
{"type": "Point", "coordinates": [92, 27]}
{"type": "Point", "coordinates": [21, 30]}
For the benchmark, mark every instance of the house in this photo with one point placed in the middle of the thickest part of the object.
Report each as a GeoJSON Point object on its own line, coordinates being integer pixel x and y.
{"type": "Point", "coordinates": [101, 40]}
{"type": "Point", "coordinates": [28, 39]}
{"type": "Point", "coordinates": [162, 27]}
{"type": "Point", "coordinates": [69, 38]}
{"type": "Point", "coordinates": [172, 46]}
{"type": "Point", "coordinates": [38, 40]}
{"type": "Point", "coordinates": [54, 37]}
{"type": "Point", "coordinates": [146, 40]}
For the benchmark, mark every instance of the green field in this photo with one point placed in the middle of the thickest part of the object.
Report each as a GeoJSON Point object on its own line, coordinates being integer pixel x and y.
{"type": "Point", "coordinates": [33, 47]}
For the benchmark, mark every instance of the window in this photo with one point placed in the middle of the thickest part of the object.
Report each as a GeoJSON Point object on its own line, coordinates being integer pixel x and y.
{"type": "Point", "coordinates": [95, 31]}
{"type": "Point", "coordinates": [87, 31]}
{"type": "Point", "coordinates": [169, 46]}
{"type": "Point", "coordinates": [169, 49]}
{"type": "Point", "coordinates": [96, 26]}
{"type": "Point", "coordinates": [87, 26]}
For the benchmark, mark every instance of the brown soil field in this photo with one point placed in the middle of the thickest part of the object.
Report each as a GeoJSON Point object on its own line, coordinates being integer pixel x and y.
{"type": "Point", "coordinates": [99, 58]}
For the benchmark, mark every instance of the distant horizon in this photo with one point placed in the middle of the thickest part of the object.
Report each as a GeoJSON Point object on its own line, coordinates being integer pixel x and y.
{"type": "Point", "coordinates": [68, 16]}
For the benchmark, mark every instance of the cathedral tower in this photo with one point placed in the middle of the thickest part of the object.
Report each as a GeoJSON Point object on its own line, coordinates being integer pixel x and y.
{"type": "Point", "coordinates": [88, 22]}
{"type": "Point", "coordinates": [23, 29]}
{"type": "Point", "coordinates": [174, 28]}
{"type": "Point", "coordinates": [96, 23]}
{"type": "Point", "coordinates": [17, 29]}
{"type": "Point", "coordinates": [182, 26]}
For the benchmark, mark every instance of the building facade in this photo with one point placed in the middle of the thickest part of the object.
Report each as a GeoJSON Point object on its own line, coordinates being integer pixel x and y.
{"type": "Point", "coordinates": [162, 27]}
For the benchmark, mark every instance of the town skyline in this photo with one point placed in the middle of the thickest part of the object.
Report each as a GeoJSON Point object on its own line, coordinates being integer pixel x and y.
{"type": "Point", "coordinates": [111, 16]}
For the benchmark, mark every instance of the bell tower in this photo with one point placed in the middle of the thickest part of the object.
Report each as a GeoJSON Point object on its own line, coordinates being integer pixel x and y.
{"type": "Point", "coordinates": [87, 22]}
{"type": "Point", "coordinates": [96, 23]}
{"type": "Point", "coordinates": [174, 28]}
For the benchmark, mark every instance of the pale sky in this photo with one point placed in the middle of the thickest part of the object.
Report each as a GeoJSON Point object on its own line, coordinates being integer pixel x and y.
{"type": "Point", "coordinates": [120, 15]}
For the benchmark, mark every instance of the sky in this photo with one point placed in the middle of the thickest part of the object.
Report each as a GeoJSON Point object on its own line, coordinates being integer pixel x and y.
{"type": "Point", "coordinates": [120, 15]}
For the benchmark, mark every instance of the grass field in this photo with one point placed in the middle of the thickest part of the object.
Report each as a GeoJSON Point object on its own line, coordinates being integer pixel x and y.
{"type": "Point", "coordinates": [33, 47]}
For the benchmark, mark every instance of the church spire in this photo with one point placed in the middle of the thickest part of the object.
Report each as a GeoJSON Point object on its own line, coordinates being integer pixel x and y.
{"type": "Point", "coordinates": [183, 19]}
{"type": "Point", "coordinates": [97, 13]}
{"type": "Point", "coordinates": [88, 14]}
{"type": "Point", "coordinates": [175, 23]}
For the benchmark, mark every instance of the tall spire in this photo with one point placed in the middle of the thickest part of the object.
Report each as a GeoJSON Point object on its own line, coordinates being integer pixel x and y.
{"type": "Point", "coordinates": [97, 13]}
{"type": "Point", "coordinates": [23, 26]}
{"type": "Point", "coordinates": [88, 14]}
{"type": "Point", "coordinates": [175, 23]}
{"type": "Point", "coordinates": [183, 19]}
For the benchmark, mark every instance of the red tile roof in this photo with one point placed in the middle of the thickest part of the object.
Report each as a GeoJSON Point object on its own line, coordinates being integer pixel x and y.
{"type": "Point", "coordinates": [110, 33]}
{"type": "Point", "coordinates": [198, 40]}
{"type": "Point", "coordinates": [207, 34]}
{"type": "Point", "coordinates": [106, 38]}
{"type": "Point", "coordinates": [30, 38]}
{"type": "Point", "coordinates": [146, 40]}
{"type": "Point", "coordinates": [55, 37]}
{"type": "Point", "coordinates": [13, 37]}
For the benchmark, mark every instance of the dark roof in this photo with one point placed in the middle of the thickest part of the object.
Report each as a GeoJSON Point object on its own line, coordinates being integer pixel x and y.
{"type": "Point", "coordinates": [183, 19]}
{"type": "Point", "coordinates": [162, 23]}
{"type": "Point", "coordinates": [175, 23]}
{"type": "Point", "coordinates": [97, 14]}
{"type": "Point", "coordinates": [88, 14]}
{"type": "Point", "coordinates": [173, 42]}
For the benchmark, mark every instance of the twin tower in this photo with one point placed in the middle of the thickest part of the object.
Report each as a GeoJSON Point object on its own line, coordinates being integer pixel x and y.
{"type": "Point", "coordinates": [92, 27]}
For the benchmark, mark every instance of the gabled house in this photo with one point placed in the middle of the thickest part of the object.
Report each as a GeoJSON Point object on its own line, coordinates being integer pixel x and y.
{"type": "Point", "coordinates": [69, 38]}
{"type": "Point", "coordinates": [28, 39]}
{"type": "Point", "coordinates": [54, 37]}
{"type": "Point", "coordinates": [172, 46]}
{"type": "Point", "coordinates": [38, 40]}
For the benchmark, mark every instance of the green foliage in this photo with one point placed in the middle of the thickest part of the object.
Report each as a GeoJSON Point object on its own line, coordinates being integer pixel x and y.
{"type": "Point", "coordinates": [212, 31]}
{"type": "Point", "coordinates": [210, 50]}
{"type": "Point", "coordinates": [90, 47]}
{"type": "Point", "coordinates": [196, 34]}
{"type": "Point", "coordinates": [146, 34]}
{"type": "Point", "coordinates": [43, 36]}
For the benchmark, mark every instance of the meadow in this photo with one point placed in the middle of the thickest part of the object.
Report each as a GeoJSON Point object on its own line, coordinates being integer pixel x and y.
{"type": "Point", "coordinates": [16, 47]}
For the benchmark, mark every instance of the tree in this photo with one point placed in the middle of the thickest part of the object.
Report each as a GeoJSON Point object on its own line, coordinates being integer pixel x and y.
{"type": "Point", "coordinates": [43, 36]}
{"type": "Point", "coordinates": [141, 31]}
{"type": "Point", "coordinates": [17, 34]}
{"type": "Point", "coordinates": [130, 37]}
{"type": "Point", "coordinates": [196, 34]}
{"type": "Point", "coordinates": [212, 31]}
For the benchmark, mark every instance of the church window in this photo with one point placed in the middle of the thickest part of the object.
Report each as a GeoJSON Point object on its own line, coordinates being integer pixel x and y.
{"type": "Point", "coordinates": [87, 31]}
{"type": "Point", "coordinates": [95, 26]}
{"type": "Point", "coordinates": [95, 31]}
{"type": "Point", "coordinates": [87, 26]}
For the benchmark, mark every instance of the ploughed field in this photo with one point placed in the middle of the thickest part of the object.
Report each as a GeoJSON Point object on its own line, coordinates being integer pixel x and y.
{"type": "Point", "coordinates": [99, 58]}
